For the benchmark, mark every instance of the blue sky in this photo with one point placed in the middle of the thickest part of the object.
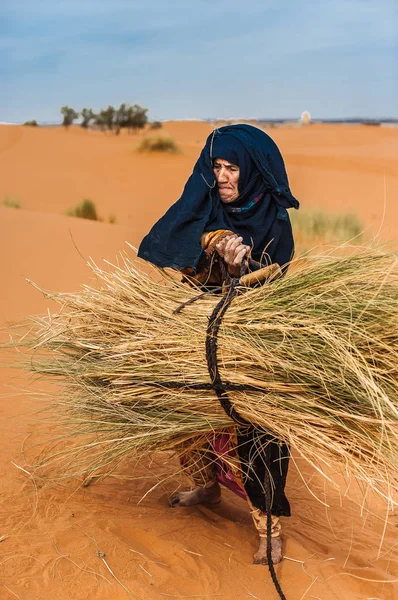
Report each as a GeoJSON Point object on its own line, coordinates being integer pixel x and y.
{"type": "Point", "coordinates": [201, 58]}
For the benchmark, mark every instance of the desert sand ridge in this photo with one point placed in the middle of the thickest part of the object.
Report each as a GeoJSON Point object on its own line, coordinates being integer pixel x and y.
{"type": "Point", "coordinates": [51, 544]}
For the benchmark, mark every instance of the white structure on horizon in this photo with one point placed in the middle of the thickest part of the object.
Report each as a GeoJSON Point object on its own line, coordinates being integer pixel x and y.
{"type": "Point", "coordinates": [305, 118]}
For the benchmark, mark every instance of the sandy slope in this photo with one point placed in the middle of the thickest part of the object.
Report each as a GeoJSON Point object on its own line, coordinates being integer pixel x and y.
{"type": "Point", "coordinates": [337, 167]}
{"type": "Point", "coordinates": [53, 539]}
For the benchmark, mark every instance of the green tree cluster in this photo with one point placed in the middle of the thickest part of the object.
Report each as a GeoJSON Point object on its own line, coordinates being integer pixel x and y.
{"type": "Point", "coordinates": [69, 115]}
{"type": "Point", "coordinates": [111, 119]}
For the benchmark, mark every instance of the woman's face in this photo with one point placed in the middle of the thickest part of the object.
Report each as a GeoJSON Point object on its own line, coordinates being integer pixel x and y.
{"type": "Point", "coordinates": [227, 176]}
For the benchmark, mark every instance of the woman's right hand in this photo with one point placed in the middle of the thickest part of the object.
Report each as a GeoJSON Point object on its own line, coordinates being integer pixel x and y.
{"type": "Point", "coordinates": [233, 251]}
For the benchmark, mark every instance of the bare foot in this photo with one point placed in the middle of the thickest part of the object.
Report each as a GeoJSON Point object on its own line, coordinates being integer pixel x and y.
{"type": "Point", "coordinates": [260, 558]}
{"type": "Point", "coordinates": [210, 495]}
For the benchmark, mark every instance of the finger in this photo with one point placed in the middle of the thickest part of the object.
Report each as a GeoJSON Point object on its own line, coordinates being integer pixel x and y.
{"type": "Point", "coordinates": [226, 239]}
{"type": "Point", "coordinates": [230, 249]}
{"type": "Point", "coordinates": [227, 245]}
{"type": "Point", "coordinates": [221, 245]}
{"type": "Point", "coordinates": [233, 242]}
{"type": "Point", "coordinates": [231, 258]}
{"type": "Point", "coordinates": [236, 242]}
{"type": "Point", "coordinates": [239, 249]}
{"type": "Point", "coordinates": [240, 256]}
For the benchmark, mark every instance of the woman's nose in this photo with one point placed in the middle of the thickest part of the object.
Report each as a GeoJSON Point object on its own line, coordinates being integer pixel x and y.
{"type": "Point", "coordinates": [223, 175]}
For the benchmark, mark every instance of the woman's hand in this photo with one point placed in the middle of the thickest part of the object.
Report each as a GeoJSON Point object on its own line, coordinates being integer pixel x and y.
{"type": "Point", "coordinates": [233, 252]}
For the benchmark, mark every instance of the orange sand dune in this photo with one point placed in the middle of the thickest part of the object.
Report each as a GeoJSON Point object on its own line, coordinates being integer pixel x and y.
{"type": "Point", "coordinates": [350, 168]}
{"type": "Point", "coordinates": [51, 170]}
{"type": "Point", "coordinates": [51, 251]}
{"type": "Point", "coordinates": [54, 541]}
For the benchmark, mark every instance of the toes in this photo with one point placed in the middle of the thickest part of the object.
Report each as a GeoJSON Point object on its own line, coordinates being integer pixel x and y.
{"type": "Point", "coordinates": [174, 501]}
{"type": "Point", "coordinates": [260, 560]}
{"type": "Point", "coordinates": [277, 558]}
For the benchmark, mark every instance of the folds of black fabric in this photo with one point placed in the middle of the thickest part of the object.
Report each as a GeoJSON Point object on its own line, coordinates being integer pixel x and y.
{"type": "Point", "coordinates": [174, 241]}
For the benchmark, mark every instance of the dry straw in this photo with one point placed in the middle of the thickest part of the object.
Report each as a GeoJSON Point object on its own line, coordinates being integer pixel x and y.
{"type": "Point", "coordinates": [320, 346]}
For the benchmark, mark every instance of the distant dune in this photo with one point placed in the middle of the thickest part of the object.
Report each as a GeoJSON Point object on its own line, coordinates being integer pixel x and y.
{"type": "Point", "coordinates": [334, 167]}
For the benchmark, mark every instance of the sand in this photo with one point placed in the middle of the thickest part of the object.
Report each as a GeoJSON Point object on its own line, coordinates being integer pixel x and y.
{"type": "Point", "coordinates": [113, 538]}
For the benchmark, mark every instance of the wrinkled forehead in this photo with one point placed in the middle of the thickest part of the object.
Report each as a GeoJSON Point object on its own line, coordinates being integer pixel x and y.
{"type": "Point", "coordinates": [222, 161]}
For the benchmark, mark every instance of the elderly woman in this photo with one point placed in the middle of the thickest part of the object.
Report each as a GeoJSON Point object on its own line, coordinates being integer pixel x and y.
{"type": "Point", "coordinates": [232, 215]}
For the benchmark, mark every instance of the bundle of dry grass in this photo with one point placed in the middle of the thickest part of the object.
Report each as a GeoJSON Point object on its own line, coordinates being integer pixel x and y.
{"type": "Point", "coordinates": [319, 349]}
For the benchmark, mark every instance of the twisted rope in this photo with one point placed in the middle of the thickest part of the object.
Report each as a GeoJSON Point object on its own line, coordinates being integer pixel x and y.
{"type": "Point", "coordinates": [222, 395]}
{"type": "Point", "coordinates": [233, 289]}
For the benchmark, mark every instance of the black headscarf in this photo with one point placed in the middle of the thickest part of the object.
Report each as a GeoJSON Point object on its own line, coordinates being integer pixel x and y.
{"type": "Point", "coordinates": [259, 214]}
